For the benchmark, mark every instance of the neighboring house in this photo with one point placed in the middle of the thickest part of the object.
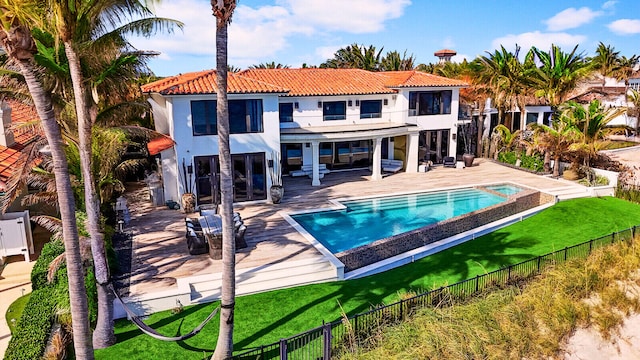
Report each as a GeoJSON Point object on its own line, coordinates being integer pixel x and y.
{"type": "Point", "coordinates": [15, 229]}
{"type": "Point", "coordinates": [320, 120]}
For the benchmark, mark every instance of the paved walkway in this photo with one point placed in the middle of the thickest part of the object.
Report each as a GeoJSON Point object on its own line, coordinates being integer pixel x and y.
{"type": "Point", "coordinates": [15, 281]}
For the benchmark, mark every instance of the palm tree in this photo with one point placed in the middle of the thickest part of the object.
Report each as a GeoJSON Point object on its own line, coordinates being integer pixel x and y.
{"type": "Point", "coordinates": [633, 99]}
{"type": "Point", "coordinates": [223, 10]}
{"type": "Point", "coordinates": [606, 62]}
{"type": "Point", "coordinates": [554, 142]}
{"type": "Point", "coordinates": [269, 65]}
{"type": "Point", "coordinates": [79, 25]}
{"type": "Point", "coordinates": [558, 74]}
{"type": "Point", "coordinates": [592, 122]}
{"type": "Point", "coordinates": [393, 61]}
{"type": "Point", "coordinates": [18, 43]}
{"type": "Point", "coordinates": [355, 57]}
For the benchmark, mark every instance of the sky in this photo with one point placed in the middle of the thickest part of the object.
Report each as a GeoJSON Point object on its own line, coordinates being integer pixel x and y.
{"type": "Point", "coordinates": [297, 32]}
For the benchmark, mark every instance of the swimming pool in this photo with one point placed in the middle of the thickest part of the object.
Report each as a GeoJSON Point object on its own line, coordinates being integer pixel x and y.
{"type": "Point", "coordinates": [505, 189]}
{"type": "Point", "coordinates": [364, 221]}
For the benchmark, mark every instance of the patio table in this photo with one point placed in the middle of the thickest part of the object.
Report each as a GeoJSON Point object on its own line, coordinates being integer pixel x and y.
{"type": "Point", "coordinates": [212, 229]}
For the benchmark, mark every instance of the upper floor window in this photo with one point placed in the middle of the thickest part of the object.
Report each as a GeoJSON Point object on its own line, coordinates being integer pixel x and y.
{"type": "Point", "coordinates": [334, 110]}
{"type": "Point", "coordinates": [370, 109]}
{"type": "Point", "coordinates": [286, 112]}
{"type": "Point", "coordinates": [245, 116]}
{"type": "Point", "coordinates": [429, 102]}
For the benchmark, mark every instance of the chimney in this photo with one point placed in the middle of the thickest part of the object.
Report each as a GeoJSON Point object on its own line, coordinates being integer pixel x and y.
{"type": "Point", "coordinates": [6, 134]}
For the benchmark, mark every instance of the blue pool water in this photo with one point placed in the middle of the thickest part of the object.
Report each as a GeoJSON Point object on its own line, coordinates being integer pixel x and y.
{"type": "Point", "coordinates": [365, 221]}
{"type": "Point", "coordinates": [505, 189]}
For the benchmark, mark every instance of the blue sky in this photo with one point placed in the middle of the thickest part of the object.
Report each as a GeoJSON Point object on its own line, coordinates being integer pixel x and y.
{"type": "Point", "coordinates": [294, 32]}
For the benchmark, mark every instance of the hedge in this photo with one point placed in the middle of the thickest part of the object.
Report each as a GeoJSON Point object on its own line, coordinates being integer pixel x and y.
{"type": "Point", "coordinates": [39, 273]}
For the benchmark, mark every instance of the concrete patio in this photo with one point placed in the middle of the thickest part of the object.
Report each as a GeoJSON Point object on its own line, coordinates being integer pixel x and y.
{"type": "Point", "coordinates": [161, 263]}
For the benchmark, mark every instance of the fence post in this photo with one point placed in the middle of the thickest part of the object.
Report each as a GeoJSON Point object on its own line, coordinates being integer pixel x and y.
{"type": "Point", "coordinates": [539, 258]}
{"type": "Point", "coordinates": [613, 237]}
{"type": "Point", "coordinates": [565, 253]}
{"type": "Point", "coordinates": [326, 339]}
{"type": "Point", "coordinates": [633, 232]}
{"type": "Point", "coordinates": [509, 274]}
{"type": "Point", "coordinates": [355, 323]}
{"type": "Point", "coordinates": [401, 309]}
{"type": "Point", "coordinates": [283, 349]}
{"type": "Point", "coordinates": [590, 245]}
{"type": "Point", "coordinates": [477, 280]}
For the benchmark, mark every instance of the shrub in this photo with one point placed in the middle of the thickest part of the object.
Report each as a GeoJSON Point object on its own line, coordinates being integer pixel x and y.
{"type": "Point", "coordinates": [32, 331]}
{"type": "Point", "coordinates": [39, 273]}
{"type": "Point", "coordinates": [533, 162]}
{"type": "Point", "coordinates": [508, 157]}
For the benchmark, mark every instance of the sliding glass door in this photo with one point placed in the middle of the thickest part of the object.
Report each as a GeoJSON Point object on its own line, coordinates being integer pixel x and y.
{"type": "Point", "coordinates": [249, 178]}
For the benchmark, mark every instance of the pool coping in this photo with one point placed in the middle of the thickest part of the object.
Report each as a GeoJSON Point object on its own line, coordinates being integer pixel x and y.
{"type": "Point", "coordinates": [417, 253]}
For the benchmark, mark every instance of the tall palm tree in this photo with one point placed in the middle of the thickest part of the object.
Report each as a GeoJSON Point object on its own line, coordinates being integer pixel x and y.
{"type": "Point", "coordinates": [393, 61]}
{"type": "Point", "coordinates": [96, 25]}
{"type": "Point", "coordinates": [606, 62]}
{"type": "Point", "coordinates": [223, 11]}
{"type": "Point", "coordinates": [558, 74]}
{"type": "Point", "coordinates": [554, 141]}
{"type": "Point", "coordinates": [18, 43]}
{"type": "Point", "coordinates": [592, 122]}
{"type": "Point", "coordinates": [355, 57]}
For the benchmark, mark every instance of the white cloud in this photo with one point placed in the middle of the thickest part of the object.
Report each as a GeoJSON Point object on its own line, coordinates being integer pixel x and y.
{"type": "Point", "coordinates": [609, 4]}
{"type": "Point", "coordinates": [448, 43]}
{"type": "Point", "coordinates": [327, 52]}
{"type": "Point", "coordinates": [540, 40]}
{"type": "Point", "coordinates": [460, 57]}
{"type": "Point", "coordinates": [571, 18]}
{"type": "Point", "coordinates": [625, 26]}
{"type": "Point", "coordinates": [353, 16]}
{"type": "Point", "coordinates": [258, 34]}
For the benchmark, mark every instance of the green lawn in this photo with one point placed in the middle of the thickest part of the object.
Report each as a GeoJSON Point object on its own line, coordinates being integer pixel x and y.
{"type": "Point", "coordinates": [15, 311]}
{"type": "Point", "coordinates": [266, 317]}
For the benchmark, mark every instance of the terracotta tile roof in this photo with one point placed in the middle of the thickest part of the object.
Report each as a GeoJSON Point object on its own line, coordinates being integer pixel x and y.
{"type": "Point", "coordinates": [301, 82]}
{"type": "Point", "coordinates": [159, 144]}
{"type": "Point", "coordinates": [445, 52]}
{"type": "Point", "coordinates": [412, 78]}
{"type": "Point", "coordinates": [204, 82]}
{"type": "Point", "coordinates": [316, 82]}
{"type": "Point", "coordinates": [597, 92]}
{"type": "Point", "coordinates": [9, 156]}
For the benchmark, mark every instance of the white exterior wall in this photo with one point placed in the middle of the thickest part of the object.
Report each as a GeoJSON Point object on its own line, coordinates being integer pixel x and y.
{"type": "Point", "coordinates": [433, 122]}
{"type": "Point", "coordinates": [309, 114]}
{"type": "Point", "coordinates": [178, 115]}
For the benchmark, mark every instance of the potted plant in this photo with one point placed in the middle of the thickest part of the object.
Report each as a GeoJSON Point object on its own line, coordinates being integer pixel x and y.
{"type": "Point", "coordinates": [188, 198]}
{"type": "Point", "coordinates": [467, 131]}
{"type": "Point", "coordinates": [275, 171]}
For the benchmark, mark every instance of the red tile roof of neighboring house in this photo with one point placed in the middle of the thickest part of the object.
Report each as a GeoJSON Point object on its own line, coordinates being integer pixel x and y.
{"type": "Point", "coordinates": [301, 82]}
{"type": "Point", "coordinates": [9, 156]}
{"type": "Point", "coordinates": [204, 82]}
{"type": "Point", "coordinates": [159, 144]}
{"type": "Point", "coordinates": [445, 52]}
{"type": "Point", "coordinates": [597, 92]}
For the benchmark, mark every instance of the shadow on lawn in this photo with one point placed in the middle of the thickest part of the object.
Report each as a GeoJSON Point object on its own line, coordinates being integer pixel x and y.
{"type": "Point", "coordinates": [479, 256]}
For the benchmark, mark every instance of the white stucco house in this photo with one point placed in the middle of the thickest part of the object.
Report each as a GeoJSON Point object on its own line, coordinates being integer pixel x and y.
{"type": "Point", "coordinates": [319, 120]}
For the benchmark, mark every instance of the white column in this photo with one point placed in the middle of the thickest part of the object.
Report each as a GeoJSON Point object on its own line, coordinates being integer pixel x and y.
{"type": "Point", "coordinates": [315, 158]}
{"type": "Point", "coordinates": [412, 153]}
{"type": "Point", "coordinates": [376, 173]}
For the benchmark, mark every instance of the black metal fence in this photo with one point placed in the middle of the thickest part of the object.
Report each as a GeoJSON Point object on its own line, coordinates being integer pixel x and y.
{"type": "Point", "coordinates": [321, 342]}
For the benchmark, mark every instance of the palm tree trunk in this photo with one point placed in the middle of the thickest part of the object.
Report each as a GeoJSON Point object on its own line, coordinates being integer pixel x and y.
{"type": "Point", "coordinates": [556, 166]}
{"type": "Point", "coordinates": [77, 292]}
{"type": "Point", "coordinates": [103, 335]}
{"type": "Point", "coordinates": [224, 347]}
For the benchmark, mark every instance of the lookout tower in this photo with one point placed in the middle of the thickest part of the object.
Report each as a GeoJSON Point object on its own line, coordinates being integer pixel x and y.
{"type": "Point", "coordinates": [444, 55]}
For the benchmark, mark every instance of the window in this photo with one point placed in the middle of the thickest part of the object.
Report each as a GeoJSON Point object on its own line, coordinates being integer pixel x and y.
{"type": "Point", "coordinates": [548, 118]}
{"type": "Point", "coordinates": [429, 102]}
{"type": "Point", "coordinates": [245, 116]}
{"type": "Point", "coordinates": [532, 117]}
{"type": "Point", "coordinates": [334, 110]}
{"type": "Point", "coordinates": [370, 109]}
{"type": "Point", "coordinates": [286, 112]}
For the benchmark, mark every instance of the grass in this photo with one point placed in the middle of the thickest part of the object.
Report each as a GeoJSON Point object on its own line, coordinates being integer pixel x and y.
{"type": "Point", "coordinates": [15, 311]}
{"type": "Point", "coordinates": [266, 317]}
{"type": "Point", "coordinates": [528, 321]}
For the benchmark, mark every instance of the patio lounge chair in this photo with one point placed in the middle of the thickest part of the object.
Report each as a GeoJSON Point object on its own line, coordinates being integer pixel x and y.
{"type": "Point", "coordinates": [449, 161]}
{"type": "Point", "coordinates": [196, 244]}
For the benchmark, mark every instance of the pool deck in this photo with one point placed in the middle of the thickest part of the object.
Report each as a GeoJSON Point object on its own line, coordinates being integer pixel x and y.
{"type": "Point", "coordinates": [160, 254]}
